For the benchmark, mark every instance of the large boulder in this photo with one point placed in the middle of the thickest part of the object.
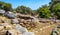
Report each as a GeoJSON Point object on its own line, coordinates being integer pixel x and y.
{"type": "Point", "coordinates": [15, 21]}
{"type": "Point", "coordinates": [20, 28]}
{"type": "Point", "coordinates": [21, 20]}
{"type": "Point", "coordinates": [14, 29]}
{"type": "Point", "coordinates": [56, 31]}
{"type": "Point", "coordinates": [10, 15]}
{"type": "Point", "coordinates": [35, 20]}
{"type": "Point", "coordinates": [22, 16]}
{"type": "Point", "coordinates": [2, 11]}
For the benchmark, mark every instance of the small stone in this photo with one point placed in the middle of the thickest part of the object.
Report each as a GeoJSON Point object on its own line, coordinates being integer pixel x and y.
{"type": "Point", "coordinates": [28, 33]}
{"type": "Point", "coordinates": [22, 20]}
{"type": "Point", "coordinates": [41, 29]}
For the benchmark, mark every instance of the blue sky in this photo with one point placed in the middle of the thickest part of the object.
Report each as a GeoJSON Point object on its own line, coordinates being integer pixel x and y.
{"type": "Point", "coordinates": [33, 4]}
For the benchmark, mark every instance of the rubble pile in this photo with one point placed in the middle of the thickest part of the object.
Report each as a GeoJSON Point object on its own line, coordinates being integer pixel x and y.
{"type": "Point", "coordinates": [16, 24]}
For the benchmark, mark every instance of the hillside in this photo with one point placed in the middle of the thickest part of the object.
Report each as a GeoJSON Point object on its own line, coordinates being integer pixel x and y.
{"type": "Point", "coordinates": [24, 24]}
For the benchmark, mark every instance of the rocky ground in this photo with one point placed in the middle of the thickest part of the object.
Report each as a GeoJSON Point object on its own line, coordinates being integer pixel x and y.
{"type": "Point", "coordinates": [15, 28]}
{"type": "Point", "coordinates": [7, 28]}
{"type": "Point", "coordinates": [19, 24]}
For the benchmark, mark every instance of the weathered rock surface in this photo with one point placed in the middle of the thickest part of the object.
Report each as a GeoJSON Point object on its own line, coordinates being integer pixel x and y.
{"type": "Point", "coordinates": [16, 21]}
{"type": "Point", "coordinates": [10, 14]}
{"type": "Point", "coordinates": [24, 16]}
{"type": "Point", "coordinates": [7, 28]}
{"type": "Point", "coordinates": [28, 33]}
{"type": "Point", "coordinates": [20, 28]}
{"type": "Point", "coordinates": [2, 11]}
{"type": "Point", "coordinates": [55, 31]}
{"type": "Point", "coordinates": [15, 29]}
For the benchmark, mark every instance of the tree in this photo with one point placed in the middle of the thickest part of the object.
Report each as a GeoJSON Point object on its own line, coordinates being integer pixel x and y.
{"type": "Point", "coordinates": [56, 9]}
{"type": "Point", "coordinates": [52, 3]}
{"type": "Point", "coordinates": [24, 10]}
{"type": "Point", "coordinates": [44, 12]}
{"type": "Point", "coordinates": [5, 6]}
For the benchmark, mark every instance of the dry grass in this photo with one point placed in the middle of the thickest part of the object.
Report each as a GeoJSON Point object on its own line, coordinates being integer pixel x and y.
{"type": "Point", "coordinates": [4, 19]}
{"type": "Point", "coordinates": [43, 29]}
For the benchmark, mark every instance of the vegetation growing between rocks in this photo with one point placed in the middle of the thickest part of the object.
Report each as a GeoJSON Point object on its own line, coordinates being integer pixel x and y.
{"type": "Point", "coordinates": [46, 11]}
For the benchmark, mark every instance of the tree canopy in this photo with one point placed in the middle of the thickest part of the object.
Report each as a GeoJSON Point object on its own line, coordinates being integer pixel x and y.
{"type": "Point", "coordinates": [24, 10]}
{"type": "Point", "coordinates": [55, 7]}
{"type": "Point", "coordinates": [5, 6]}
{"type": "Point", "coordinates": [56, 10]}
{"type": "Point", "coordinates": [44, 11]}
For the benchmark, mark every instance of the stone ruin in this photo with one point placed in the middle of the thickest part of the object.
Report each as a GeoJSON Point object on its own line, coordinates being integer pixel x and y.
{"type": "Point", "coordinates": [13, 27]}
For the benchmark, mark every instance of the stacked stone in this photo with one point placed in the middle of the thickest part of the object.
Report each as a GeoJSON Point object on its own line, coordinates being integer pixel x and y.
{"type": "Point", "coordinates": [14, 27]}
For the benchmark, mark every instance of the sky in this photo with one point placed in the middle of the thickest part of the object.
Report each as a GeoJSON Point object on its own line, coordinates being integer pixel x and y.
{"type": "Point", "coordinates": [33, 4]}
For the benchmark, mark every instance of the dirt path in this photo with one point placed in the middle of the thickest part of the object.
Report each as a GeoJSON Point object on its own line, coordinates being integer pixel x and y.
{"type": "Point", "coordinates": [44, 30]}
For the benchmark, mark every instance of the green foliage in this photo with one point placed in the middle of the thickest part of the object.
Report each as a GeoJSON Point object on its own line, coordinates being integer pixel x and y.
{"type": "Point", "coordinates": [56, 9]}
{"type": "Point", "coordinates": [5, 6]}
{"type": "Point", "coordinates": [24, 10]}
{"type": "Point", "coordinates": [52, 3]}
{"type": "Point", "coordinates": [44, 12]}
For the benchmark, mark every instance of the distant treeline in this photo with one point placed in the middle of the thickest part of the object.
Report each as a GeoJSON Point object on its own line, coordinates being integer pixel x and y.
{"type": "Point", "coordinates": [46, 11]}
